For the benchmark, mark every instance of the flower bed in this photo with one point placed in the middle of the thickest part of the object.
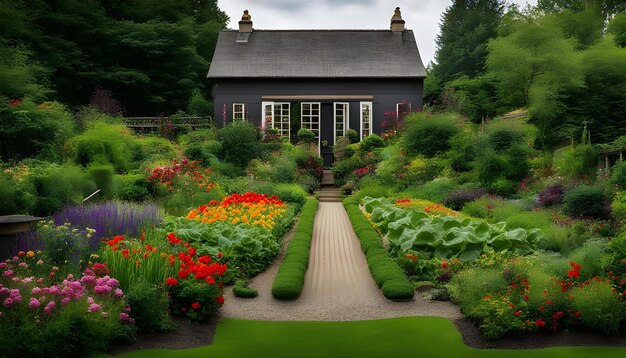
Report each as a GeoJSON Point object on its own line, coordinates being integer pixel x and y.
{"type": "Point", "coordinates": [41, 308]}
{"type": "Point", "coordinates": [245, 228]}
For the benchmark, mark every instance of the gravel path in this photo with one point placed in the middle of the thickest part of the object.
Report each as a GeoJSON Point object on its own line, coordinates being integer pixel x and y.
{"type": "Point", "coordinates": [338, 284]}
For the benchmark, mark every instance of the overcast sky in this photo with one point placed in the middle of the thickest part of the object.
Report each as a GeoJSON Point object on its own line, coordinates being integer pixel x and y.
{"type": "Point", "coordinates": [421, 16]}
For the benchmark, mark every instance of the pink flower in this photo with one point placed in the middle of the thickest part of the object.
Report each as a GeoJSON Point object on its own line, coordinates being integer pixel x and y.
{"type": "Point", "coordinates": [8, 273]}
{"type": "Point", "coordinates": [119, 293]}
{"type": "Point", "coordinates": [8, 302]}
{"type": "Point", "coordinates": [90, 300]}
{"type": "Point", "coordinates": [40, 262]}
{"type": "Point", "coordinates": [94, 307]}
{"type": "Point", "coordinates": [22, 265]}
{"type": "Point", "coordinates": [66, 300]}
{"type": "Point", "coordinates": [34, 303]}
{"type": "Point", "coordinates": [103, 289]}
{"type": "Point", "coordinates": [36, 291]}
{"type": "Point", "coordinates": [49, 307]}
{"type": "Point", "coordinates": [3, 265]}
{"type": "Point", "coordinates": [124, 317]}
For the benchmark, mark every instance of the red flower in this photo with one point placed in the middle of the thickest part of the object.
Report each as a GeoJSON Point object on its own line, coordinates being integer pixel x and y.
{"type": "Point", "coordinates": [220, 300]}
{"type": "Point", "coordinates": [219, 255]}
{"type": "Point", "coordinates": [540, 323]}
{"type": "Point", "coordinates": [192, 251]}
{"type": "Point", "coordinates": [573, 274]}
{"type": "Point", "coordinates": [210, 280]}
{"type": "Point", "coordinates": [173, 239]}
{"type": "Point", "coordinates": [444, 264]}
{"type": "Point", "coordinates": [125, 253]}
{"type": "Point", "coordinates": [171, 281]}
{"type": "Point", "coordinates": [204, 259]}
{"type": "Point", "coordinates": [196, 305]}
{"type": "Point", "coordinates": [517, 313]}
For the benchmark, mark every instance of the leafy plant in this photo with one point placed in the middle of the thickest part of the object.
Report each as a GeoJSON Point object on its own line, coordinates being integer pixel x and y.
{"type": "Point", "coordinates": [241, 290]}
{"type": "Point", "coordinates": [586, 201]}
{"type": "Point", "coordinates": [445, 237]}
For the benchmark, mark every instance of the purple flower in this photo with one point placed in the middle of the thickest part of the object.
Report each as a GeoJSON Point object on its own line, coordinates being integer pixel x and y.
{"type": "Point", "coordinates": [113, 283]}
{"type": "Point", "coordinates": [66, 300]}
{"type": "Point", "coordinates": [34, 303]}
{"type": "Point", "coordinates": [88, 280]}
{"type": "Point", "coordinates": [4, 291]}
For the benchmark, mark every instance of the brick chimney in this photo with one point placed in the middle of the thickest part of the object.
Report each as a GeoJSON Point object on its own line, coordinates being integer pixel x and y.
{"type": "Point", "coordinates": [245, 25]}
{"type": "Point", "coordinates": [397, 24]}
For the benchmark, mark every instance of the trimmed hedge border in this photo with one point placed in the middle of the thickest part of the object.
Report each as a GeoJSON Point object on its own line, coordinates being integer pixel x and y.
{"type": "Point", "coordinates": [385, 271]}
{"type": "Point", "coordinates": [240, 289]}
{"type": "Point", "coordinates": [289, 280]}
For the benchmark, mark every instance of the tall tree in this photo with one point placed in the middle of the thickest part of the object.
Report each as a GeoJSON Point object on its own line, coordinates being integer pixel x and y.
{"type": "Point", "coordinates": [466, 27]}
{"type": "Point", "coordinates": [536, 64]}
{"type": "Point", "coordinates": [609, 8]}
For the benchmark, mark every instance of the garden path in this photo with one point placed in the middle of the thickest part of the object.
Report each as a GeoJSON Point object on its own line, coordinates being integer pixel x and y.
{"type": "Point", "coordinates": [338, 285]}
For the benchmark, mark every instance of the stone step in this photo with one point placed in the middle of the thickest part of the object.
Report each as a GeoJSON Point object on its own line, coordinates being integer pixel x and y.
{"type": "Point", "coordinates": [329, 199]}
{"type": "Point", "coordinates": [331, 192]}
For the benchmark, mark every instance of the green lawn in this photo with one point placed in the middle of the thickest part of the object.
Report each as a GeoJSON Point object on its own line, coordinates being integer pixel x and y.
{"type": "Point", "coordinates": [399, 337]}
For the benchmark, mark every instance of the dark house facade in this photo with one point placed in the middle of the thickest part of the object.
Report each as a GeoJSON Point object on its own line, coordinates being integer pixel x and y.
{"type": "Point", "coordinates": [333, 80]}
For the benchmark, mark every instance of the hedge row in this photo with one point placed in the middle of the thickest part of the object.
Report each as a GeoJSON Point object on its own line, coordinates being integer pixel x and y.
{"type": "Point", "coordinates": [290, 277]}
{"type": "Point", "coordinates": [386, 273]}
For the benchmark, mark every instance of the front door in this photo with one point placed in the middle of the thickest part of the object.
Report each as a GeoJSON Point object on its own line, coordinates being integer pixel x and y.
{"type": "Point", "coordinates": [327, 134]}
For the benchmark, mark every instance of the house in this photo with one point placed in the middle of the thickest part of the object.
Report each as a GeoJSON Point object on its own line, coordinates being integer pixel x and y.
{"type": "Point", "coordinates": [323, 80]}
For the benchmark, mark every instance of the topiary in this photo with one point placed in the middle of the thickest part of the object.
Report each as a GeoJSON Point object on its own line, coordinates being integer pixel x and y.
{"type": "Point", "coordinates": [371, 142]}
{"type": "Point", "coordinates": [240, 290]}
{"type": "Point", "coordinates": [305, 135]}
{"type": "Point", "coordinates": [352, 136]}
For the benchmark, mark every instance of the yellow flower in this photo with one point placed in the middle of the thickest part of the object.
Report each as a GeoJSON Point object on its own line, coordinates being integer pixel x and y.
{"type": "Point", "coordinates": [30, 254]}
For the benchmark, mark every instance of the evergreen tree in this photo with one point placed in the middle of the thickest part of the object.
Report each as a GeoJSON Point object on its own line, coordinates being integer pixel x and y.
{"type": "Point", "coordinates": [466, 27]}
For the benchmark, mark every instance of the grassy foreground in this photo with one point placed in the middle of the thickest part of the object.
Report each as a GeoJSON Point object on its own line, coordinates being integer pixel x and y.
{"type": "Point", "coordinates": [398, 337]}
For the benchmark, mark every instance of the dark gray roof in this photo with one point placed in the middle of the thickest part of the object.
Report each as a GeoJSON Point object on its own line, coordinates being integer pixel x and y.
{"type": "Point", "coordinates": [317, 53]}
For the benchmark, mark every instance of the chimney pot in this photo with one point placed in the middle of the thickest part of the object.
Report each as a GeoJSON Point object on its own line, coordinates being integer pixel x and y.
{"type": "Point", "coordinates": [245, 25]}
{"type": "Point", "coordinates": [397, 24]}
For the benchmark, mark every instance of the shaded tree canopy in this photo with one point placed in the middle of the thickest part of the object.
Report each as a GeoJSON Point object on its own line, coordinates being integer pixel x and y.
{"type": "Point", "coordinates": [151, 54]}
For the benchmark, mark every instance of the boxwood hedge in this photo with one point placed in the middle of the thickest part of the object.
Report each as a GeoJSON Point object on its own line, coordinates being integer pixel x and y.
{"type": "Point", "coordinates": [289, 280]}
{"type": "Point", "coordinates": [386, 273]}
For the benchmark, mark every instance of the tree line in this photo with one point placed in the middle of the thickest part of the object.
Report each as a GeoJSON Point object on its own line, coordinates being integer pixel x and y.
{"type": "Point", "coordinates": [142, 57]}
{"type": "Point", "coordinates": [564, 61]}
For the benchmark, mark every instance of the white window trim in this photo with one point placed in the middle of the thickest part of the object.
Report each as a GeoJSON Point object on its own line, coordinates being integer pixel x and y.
{"type": "Point", "coordinates": [288, 117]}
{"type": "Point", "coordinates": [243, 110]}
{"type": "Point", "coordinates": [346, 119]}
{"type": "Point", "coordinates": [264, 115]}
{"type": "Point", "coordinates": [398, 108]}
{"type": "Point", "coordinates": [371, 121]}
{"type": "Point", "coordinates": [319, 121]}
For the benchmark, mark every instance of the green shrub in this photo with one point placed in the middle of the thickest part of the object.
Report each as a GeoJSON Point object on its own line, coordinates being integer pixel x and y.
{"type": "Point", "coordinates": [342, 149]}
{"type": "Point", "coordinates": [435, 190]}
{"type": "Point", "coordinates": [504, 138]}
{"type": "Point", "coordinates": [469, 287]}
{"type": "Point", "coordinates": [16, 196]}
{"type": "Point", "coordinates": [343, 170]}
{"type": "Point", "coordinates": [284, 172]}
{"type": "Point", "coordinates": [586, 201]}
{"type": "Point", "coordinates": [591, 256]}
{"type": "Point", "coordinates": [578, 163]}
{"type": "Point", "coordinates": [133, 187]}
{"type": "Point", "coordinates": [104, 143]}
{"type": "Point", "coordinates": [618, 175]}
{"type": "Point", "coordinates": [57, 186]}
{"type": "Point", "coordinates": [385, 271]}
{"type": "Point", "coordinates": [429, 135]}
{"type": "Point", "coordinates": [102, 175]}
{"type": "Point", "coordinates": [155, 148]}
{"type": "Point", "coordinates": [198, 105]}
{"type": "Point", "coordinates": [240, 143]}
{"type": "Point", "coordinates": [618, 206]}
{"type": "Point", "coordinates": [529, 220]}
{"type": "Point", "coordinates": [29, 130]}
{"type": "Point", "coordinates": [306, 136]}
{"type": "Point", "coordinates": [600, 308]}
{"type": "Point", "coordinates": [617, 255]}
{"type": "Point", "coordinates": [489, 166]}
{"type": "Point", "coordinates": [149, 307]}
{"type": "Point", "coordinates": [241, 290]}
{"type": "Point", "coordinates": [352, 136]}
{"type": "Point", "coordinates": [371, 142]}
{"type": "Point", "coordinates": [504, 187]}
{"type": "Point", "coordinates": [289, 280]}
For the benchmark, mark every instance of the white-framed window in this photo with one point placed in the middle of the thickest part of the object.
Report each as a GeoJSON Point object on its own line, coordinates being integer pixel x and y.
{"type": "Point", "coordinates": [310, 113]}
{"type": "Point", "coordinates": [341, 119]}
{"type": "Point", "coordinates": [402, 108]}
{"type": "Point", "coordinates": [239, 111]}
{"type": "Point", "coordinates": [268, 115]}
{"type": "Point", "coordinates": [366, 119]}
{"type": "Point", "coordinates": [281, 118]}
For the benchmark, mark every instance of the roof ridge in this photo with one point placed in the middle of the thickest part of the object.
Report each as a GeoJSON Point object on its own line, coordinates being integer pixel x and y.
{"type": "Point", "coordinates": [315, 30]}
